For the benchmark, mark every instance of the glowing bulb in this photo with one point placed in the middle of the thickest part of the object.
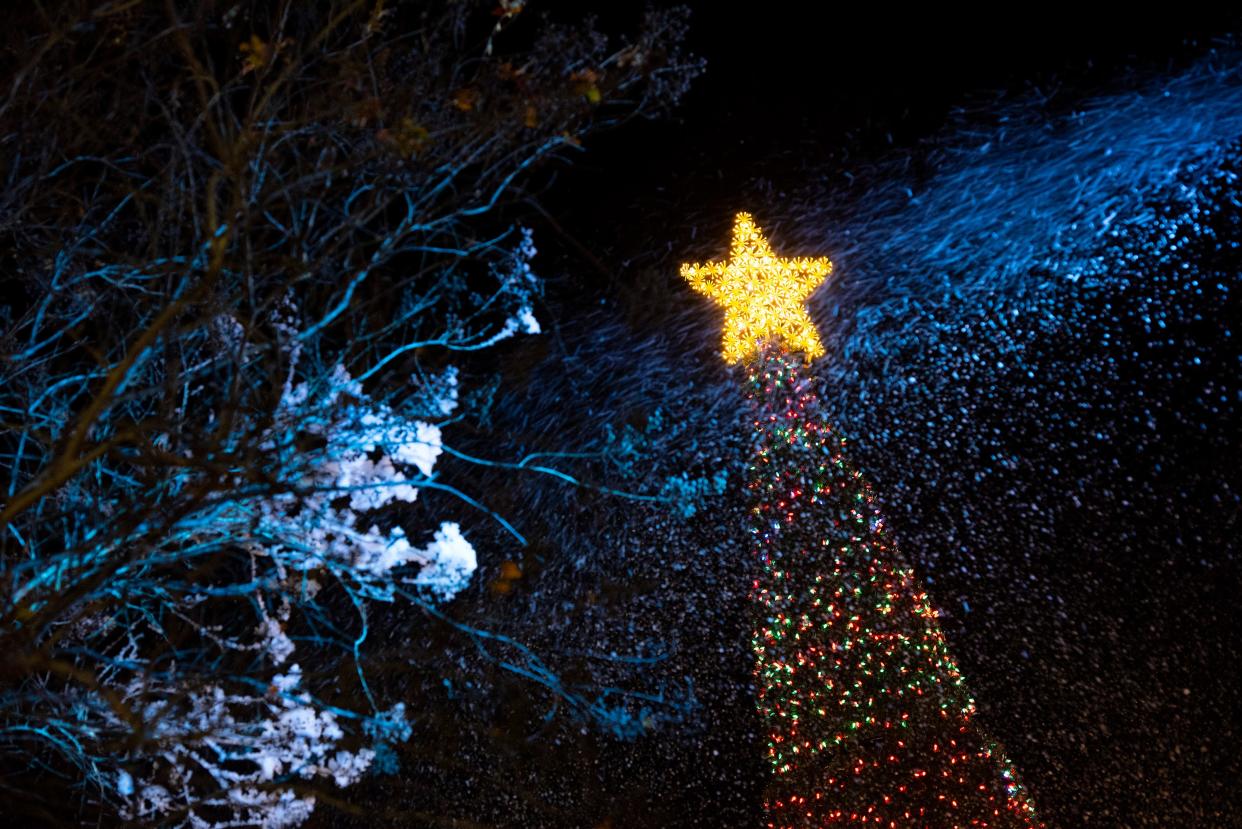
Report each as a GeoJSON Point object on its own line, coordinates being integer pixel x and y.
{"type": "Point", "coordinates": [762, 294]}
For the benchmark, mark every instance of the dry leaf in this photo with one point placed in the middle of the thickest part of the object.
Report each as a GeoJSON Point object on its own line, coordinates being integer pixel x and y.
{"type": "Point", "coordinates": [256, 54]}
{"type": "Point", "coordinates": [466, 99]}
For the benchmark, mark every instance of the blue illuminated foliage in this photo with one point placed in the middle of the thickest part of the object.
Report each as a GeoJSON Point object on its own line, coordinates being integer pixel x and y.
{"type": "Point", "coordinates": [225, 389]}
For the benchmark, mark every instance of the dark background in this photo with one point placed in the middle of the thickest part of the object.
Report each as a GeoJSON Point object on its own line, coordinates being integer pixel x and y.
{"type": "Point", "coordinates": [1067, 489]}
{"type": "Point", "coordinates": [1094, 616]}
{"type": "Point", "coordinates": [791, 82]}
{"type": "Point", "coordinates": [1055, 453]}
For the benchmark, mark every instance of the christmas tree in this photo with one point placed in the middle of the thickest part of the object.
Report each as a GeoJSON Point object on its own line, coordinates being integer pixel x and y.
{"type": "Point", "coordinates": [868, 718]}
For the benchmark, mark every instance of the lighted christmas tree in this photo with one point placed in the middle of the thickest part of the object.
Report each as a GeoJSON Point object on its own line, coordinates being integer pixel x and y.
{"type": "Point", "coordinates": [868, 718]}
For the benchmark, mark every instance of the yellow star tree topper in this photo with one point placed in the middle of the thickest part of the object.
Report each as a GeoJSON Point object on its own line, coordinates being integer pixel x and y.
{"type": "Point", "coordinates": [762, 294]}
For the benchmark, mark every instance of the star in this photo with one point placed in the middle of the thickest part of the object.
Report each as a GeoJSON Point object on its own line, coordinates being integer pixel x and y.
{"type": "Point", "coordinates": [762, 294]}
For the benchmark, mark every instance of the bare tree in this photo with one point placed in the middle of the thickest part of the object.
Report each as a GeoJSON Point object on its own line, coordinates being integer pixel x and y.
{"type": "Point", "coordinates": [244, 244]}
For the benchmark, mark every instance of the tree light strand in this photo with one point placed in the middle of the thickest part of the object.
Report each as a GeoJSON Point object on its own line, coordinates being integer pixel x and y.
{"type": "Point", "coordinates": [868, 718]}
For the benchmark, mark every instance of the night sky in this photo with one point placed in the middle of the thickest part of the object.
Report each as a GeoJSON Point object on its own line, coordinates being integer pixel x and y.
{"type": "Point", "coordinates": [1056, 446]}
{"type": "Point", "coordinates": [798, 92]}
{"type": "Point", "coordinates": [1032, 356]}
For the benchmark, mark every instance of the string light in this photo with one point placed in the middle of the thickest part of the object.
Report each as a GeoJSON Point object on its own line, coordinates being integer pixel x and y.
{"type": "Point", "coordinates": [867, 714]}
{"type": "Point", "coordinates": [762, 294]}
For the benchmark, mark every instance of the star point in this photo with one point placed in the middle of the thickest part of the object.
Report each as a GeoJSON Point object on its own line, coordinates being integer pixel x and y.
{"type": "Point", "coordinates": [763, 295]}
